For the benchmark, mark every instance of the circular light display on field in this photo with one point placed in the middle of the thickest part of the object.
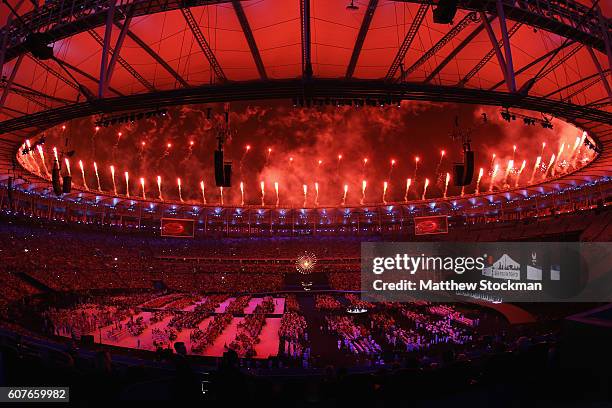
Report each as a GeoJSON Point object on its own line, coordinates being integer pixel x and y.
{"type": "Point", "coordinates": [306, 262]}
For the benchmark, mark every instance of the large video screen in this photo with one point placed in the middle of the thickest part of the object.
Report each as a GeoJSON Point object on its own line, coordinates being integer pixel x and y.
{"type": "Point", "coordinates": [436, 224]}
{"type": "Point", "coordinates": [175, 227]}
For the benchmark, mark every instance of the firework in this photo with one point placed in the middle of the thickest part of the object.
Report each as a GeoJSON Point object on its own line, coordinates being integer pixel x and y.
{"type": "Point", "coordinates": [83, 174]}
{"type": "Point", "coordinates": [142, 184]}
{"type": "Point", "coordinates": [241, 193]}
{"type": "Point", "coordinates": [408, 184]}
{"type": "Point", "coordinates": [268, 155]}
{"type": "Point", "coordinates": [112, 169]}
{"type": "Point", "coordinates": [97, 176]}
{"type": "Point", "coordinates": [41, 153]}
{"type": "Point", "coordinates": [480, 173]}
{"type": "Point", "coordinates": [384, 196]}
{"type": "Point", "coordinates": [159, 187]}
{"type": "Point", "coordinates": [442, 154]}
{"type": "Point", "coordinates": [493, 175]}
{"type": "Point", "coordinates": [363, 190]}
{"type": "Point", "coordinates": [575, 148]}
{"type": "Point", "coordinates": [316, 194]}
{"type": "Point", "coordinates": [344, 196]}
{"type": "Point", "coordinates": [263, 193]}
{"type": "Point", "coordinates": [391, 168]}
{"type": "Point", "coordinates": [492, 160]}
{"type": "Point", "coordinates": [338, 163]}
{"type": "Point", "coordinates": [550, 164]}
{"type": "Point", "coordinates": [535, 168]}
{"type": "Point", "coordinates": [509, 168]}
{"type": "Point", "coordinates": [180, 189]}
{"type": "Point", "coordinates": [446, 184]}
{"type": "Point", "coordinates": [462, 191]}
{"type": "Point", "coordinates": [247, 148]}
{"type": "Point", "coordinates": [305, 263]}
{"type": "Point", "coordinates": [518, 176]}
{"type": "Point", "coordinates": [55, 155]}
{"type": "Point", "coordinates": [416, 166]}
{"type": "Point", "coordinates": [513, 151]}
{"type": "Point", "coordinates": [305, 187]}
{"type": "Point", "coordinates": [221, 195]}
{"type": "Point", "coordinates": [127, 184]}
{"type": "Point", "coordinates": [277, 196]}
{"type": "Point", "coordinates": [67, 165]}
{"type": "Point", "coordinates": [425, 188]}
{"type": "Point", "coordinates": [203, 192]}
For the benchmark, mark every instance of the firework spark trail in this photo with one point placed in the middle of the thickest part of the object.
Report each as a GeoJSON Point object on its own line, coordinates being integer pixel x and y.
{"type": "Point", "coordinates": [480, 173]}
{"type": "Point", "coordinates": [462, 191]}
{"type": "Point", "coordinates": [492, 161]}
{"type": "Point", "coordinates": [263, 193]}
{"type": "Point", "coordinates": [55, 155]}
{"type": "Point", "coordinates": [83, 174]}
{"type": "Point", "coordinates": [203, 192]}
{"type": "Point", "coordinates": [408, 184]}
{"type": "Point", "coordinates": [119, 134]}
{"type": "Point", "coordinates": [159, 187]}
{"type": "Point", "coordinates": [142, 184]}
{"type": "Point", "coordinates": [67, 165]}
{"type": "Point", "coordinates": [305, 187]}
{"type": "Point", "coordinates": [363, 191]}
{"type": "Point", "coordinates": [518, 176]}
{"type": "Point", "coordinates": [363, 170]}
{"type": "Point", "coordinates": [316, 194]}
{"type": "Point", "coordinates": [344, 196]}
{"type": "Point", "coordinates": [550, 165]}
{"type": "Point", "coordinates": [180, 189]}
{"type": "Point", "coordinates": [446, 184]}
{"type": "Point", "coordinates": [509, 168]}
{"type": "Point", "coordinates": [97, 176]}
{"type": "Point", "coordinates": [338, 164]}
{"type": "Point", "coordinates": [442, 153]}
{"type": "Point", "coordinates": [221, 195]}
{"type": "Point", "coordinates": [247, 148]}
{"type": "Point", "coordinates": [582, 139]}
{"type": "Point", "coordinates": [41, 153]}
{"type": "Point", "coordinates": [268, 156]}
{"type": "Point", "coordinates": [425, 188]}
{"type": "Point", "coordinates": [536, 166]}
{"type": "Point", "coordinates": [30, 155]}
{"type": "Point", "coordinates": [513, 152]}
{"type": "Point", "coordinates": [416, 167]}
{"type": "Point", "coordinates": [542, 150]}
{"type": "Point", "coordinates": [495, 169]}
{"type": "Point", "coordinates": [277, 196]}
{"type": "Point", "coordinates": [391, 169]}
{"type": "Point", "coordinates": [241, 193]}
{"type": "Point", "coordinates": [127, 184]}
{"type": "Point", "coordinates": [384, 196]}
{"type": "Point", "coordinates": [112, 169]}
{"type": "Point", "coordinates": [575, 148]}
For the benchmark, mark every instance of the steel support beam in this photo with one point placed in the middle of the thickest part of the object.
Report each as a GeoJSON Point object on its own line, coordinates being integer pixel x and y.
{"type": "Point", "coordinates": [306, 43]}
{"type": "Point", "coordinates": [498, 53]}
{"type": "Point", "coordinates": [85, 74]}
{"type": "Point", "coordinates": [201, 40]}
{"type": "Point", "coordinates": [152, 53]}
{"type": "Point", "coordinates": [110, 15]}
{"type": "Point", "coordinates": [472, 73]}
{"type": "Point", "coordinates": [467, 40]}
{"type": "Point", "coordinates": [117, 51]}
{"type": "Point", "coordinates": [248, 35]}
{"type": "Point", "coordinates": [460, 26]}
{"type": "Point", "coordinates": [9, 83]}
{"type": "Point", "coordinates": [361, 36]}
{"type": "Point", "coordinates": [506, 40]}
{"type": "Point", "coordinates": [408, 39]}
{"type": "Point", "coordinates": [604, 80]}
{"type": "Point", "coordinates": [605, 32]}
{"type": "Point", "coordinates": [125, 64]}
{"type": "Point", "coordinates": [318, 88]}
